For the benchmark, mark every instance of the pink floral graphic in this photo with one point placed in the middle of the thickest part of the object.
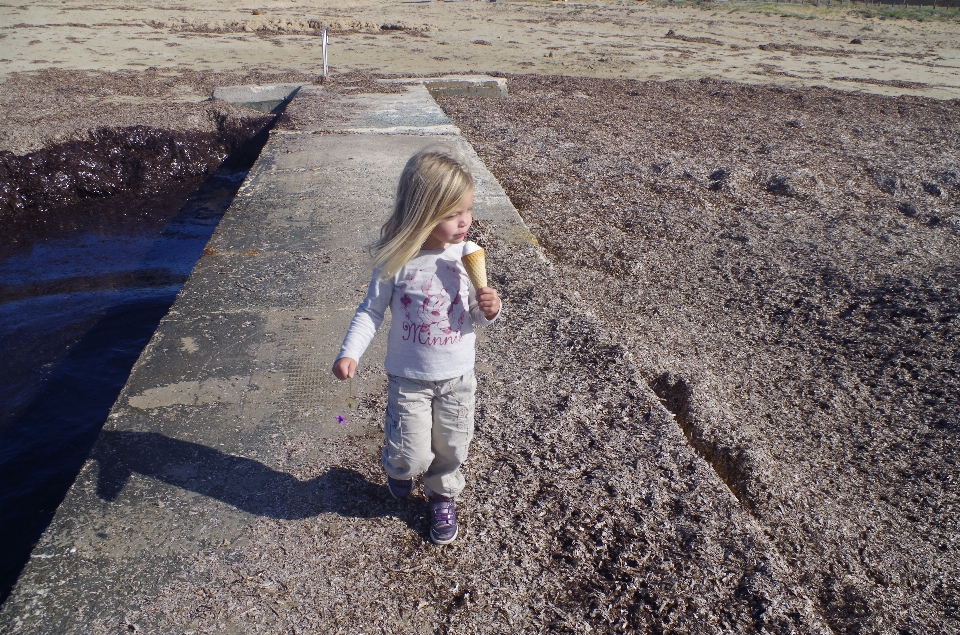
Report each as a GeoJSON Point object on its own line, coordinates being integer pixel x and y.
{"type": "Point", "coordinates": [440, 313]}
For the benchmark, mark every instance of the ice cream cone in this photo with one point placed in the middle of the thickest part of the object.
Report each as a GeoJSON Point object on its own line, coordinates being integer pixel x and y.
{"type": "Point", "coordinates": [476, 266]}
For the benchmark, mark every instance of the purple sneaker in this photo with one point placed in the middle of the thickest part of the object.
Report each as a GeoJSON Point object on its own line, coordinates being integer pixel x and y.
{"type": "Point", "coordinates": [399, 489]}
{"type": "Point", "coordinates": [443, 520]}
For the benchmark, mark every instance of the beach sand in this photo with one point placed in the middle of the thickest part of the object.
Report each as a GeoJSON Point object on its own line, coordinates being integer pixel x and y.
{"type": "Point", "coordinates": [788, 45]}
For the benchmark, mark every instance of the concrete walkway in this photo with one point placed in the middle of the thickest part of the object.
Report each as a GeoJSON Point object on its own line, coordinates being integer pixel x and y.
{"type": "Point", "coordinates": [242, 357]}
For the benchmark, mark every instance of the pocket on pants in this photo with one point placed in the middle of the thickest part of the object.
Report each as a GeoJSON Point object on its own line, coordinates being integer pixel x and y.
{"type": "Point", "coordinates": [464, 421]}
{"type": "Point", "coordinates": [467, 395]}
{"type": "Point", "coordinates": [393, 431]}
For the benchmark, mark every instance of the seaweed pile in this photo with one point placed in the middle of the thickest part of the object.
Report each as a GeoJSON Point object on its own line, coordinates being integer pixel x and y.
{"type": "Point", "coordinates": [783, 266]}
{"type": "Point", "coordinates": [128, 162]}
{"type": "Point", "coordinates": [726, 404]}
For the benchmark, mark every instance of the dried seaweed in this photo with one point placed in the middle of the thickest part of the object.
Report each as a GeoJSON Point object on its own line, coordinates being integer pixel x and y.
{"type": "Point", "coordinates": [783, 267]}
{"type": "Point", "coordinates": [726, 404]}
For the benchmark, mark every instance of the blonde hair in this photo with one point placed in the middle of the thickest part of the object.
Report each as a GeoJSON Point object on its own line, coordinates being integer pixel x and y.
{"type": "Point", "coordinates": [432, 184]}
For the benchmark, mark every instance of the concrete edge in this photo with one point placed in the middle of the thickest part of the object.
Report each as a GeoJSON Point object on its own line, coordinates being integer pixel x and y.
{"type": "Point", "coordinates": [263, 98]}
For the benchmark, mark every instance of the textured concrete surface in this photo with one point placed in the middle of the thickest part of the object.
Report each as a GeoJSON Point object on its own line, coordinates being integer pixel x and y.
{"type": "Point", "coordinates": [242, 357]}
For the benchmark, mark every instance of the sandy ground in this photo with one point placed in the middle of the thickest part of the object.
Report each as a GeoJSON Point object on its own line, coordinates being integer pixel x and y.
{"type": "Point", "coordinates": [788, 45]}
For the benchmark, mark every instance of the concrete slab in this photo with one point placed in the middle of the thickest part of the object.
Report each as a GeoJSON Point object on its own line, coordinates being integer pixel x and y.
{"type": "Point", "coordinates": [240, 363]}
{"type": "Point", "coordinates": [411, 113]}
{"type": "Point", "coordinates": [263, 98]}
{"type": "Point", "coordinates": [451, 85]}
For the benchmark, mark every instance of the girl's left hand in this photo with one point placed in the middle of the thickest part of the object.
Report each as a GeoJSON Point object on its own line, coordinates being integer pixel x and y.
{"type": "Point", "coordinates": [489, 302]}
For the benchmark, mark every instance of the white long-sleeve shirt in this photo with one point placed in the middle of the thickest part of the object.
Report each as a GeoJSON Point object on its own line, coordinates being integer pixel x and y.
{"type": "Point", "coordinates": [433, 310]}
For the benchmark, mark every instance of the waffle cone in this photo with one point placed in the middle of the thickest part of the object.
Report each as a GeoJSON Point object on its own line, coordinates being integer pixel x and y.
{"type": "Point", "coordinates": [476, 265]}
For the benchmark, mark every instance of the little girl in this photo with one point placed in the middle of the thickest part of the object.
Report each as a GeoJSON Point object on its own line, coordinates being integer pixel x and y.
{"type": "Point", "coordinates": [430, 347]}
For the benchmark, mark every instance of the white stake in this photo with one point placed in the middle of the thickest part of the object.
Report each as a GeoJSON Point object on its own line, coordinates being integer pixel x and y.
{"type": "Point", "coordinates": [324, 51]}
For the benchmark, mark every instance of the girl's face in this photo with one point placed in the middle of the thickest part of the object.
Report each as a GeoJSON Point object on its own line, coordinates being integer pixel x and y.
{"type": "Point", "coordinates": [453, 228]}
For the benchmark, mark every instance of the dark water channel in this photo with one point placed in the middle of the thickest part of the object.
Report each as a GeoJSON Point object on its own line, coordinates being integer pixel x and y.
{"type": "Point", "coordinates": [81, 292]}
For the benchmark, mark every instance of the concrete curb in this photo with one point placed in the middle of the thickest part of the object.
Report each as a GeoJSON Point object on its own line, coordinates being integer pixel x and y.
{"type": "Point", "coordinates": [265, 98]}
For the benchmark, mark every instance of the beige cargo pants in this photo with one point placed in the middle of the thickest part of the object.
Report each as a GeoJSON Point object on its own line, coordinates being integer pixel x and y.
{"type": "Point", "coordinates": [428, 429]}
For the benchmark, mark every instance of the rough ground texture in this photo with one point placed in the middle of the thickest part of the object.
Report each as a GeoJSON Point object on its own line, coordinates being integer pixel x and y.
{"type": "Point", "coordinates": [45, 108]}
{"type": "Point", "coordinates": [586, 511]}
{"type": "Point", "coordinates": [728, 405]}
{"type": "Point", "coordinates": [783, 266]}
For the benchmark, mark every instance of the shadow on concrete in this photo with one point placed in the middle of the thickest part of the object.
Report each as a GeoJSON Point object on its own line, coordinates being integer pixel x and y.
{"type": "Point", "coordinates": [244, 483]}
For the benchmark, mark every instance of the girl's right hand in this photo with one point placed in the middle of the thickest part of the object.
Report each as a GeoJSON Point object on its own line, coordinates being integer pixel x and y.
{"type": "Point", "coordinates": [344, 368]}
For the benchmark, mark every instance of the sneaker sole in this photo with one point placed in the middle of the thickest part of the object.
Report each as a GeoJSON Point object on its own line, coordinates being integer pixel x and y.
{"type": "Point", "coordinates": [437, 541]}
